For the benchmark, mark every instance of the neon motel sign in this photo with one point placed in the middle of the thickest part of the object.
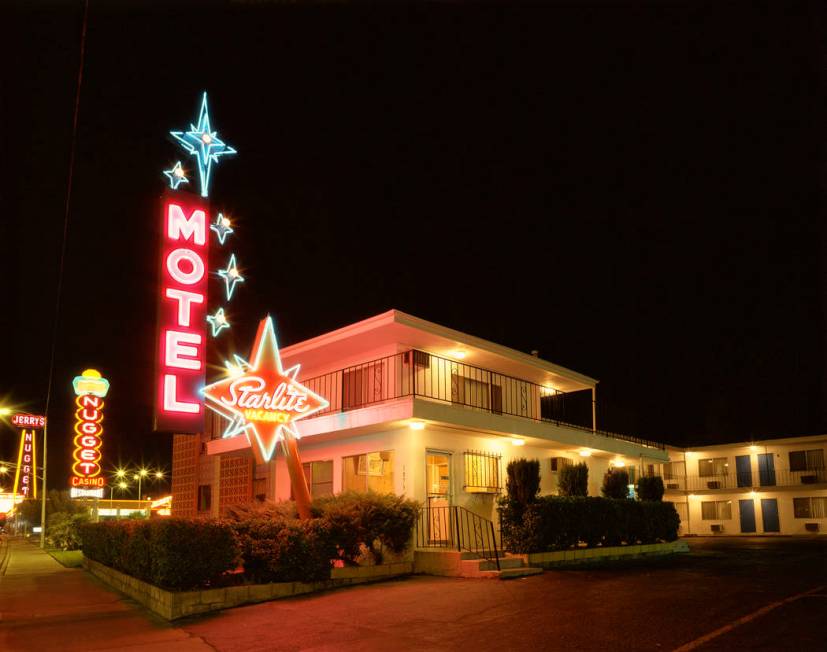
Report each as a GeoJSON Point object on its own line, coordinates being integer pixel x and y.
{"type": "Point", "coordinates": [90, 388]}
{"type": "Point", "coordinates": [181, 359]}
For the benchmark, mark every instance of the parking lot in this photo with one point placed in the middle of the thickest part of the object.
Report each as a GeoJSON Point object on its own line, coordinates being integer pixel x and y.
{"type": "Point", "coordinates": [726, 594]}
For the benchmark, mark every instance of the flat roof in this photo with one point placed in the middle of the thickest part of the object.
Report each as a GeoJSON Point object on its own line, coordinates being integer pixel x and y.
{"type": "Point", "coordinates": [397, 327]}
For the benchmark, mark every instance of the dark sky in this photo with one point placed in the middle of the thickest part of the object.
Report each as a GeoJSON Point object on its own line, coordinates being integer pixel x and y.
{"type": "Point", "coordinates": [634, 190]}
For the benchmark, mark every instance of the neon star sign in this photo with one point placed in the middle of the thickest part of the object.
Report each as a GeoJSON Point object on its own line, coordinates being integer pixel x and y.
{"type": "Point", "coordinates": [262, 399]}
{"type": "Point", "coordinates": [204, 144]}
{"type": "Point", "coordinates": [222, 228]}
{"type": "Point", "coordinates": [231, 276]}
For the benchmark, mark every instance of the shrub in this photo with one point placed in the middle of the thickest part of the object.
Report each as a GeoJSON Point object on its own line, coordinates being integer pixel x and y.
{"type": "Point", "coordinates": [64, 529]}
{"type": "Point", "coordinates": [615, 484]}
{"type": "Point", "coordinates": [650, 487]}
{"type": "Point", "coordinates": [172, 553]}
{"type": "Point", "coordinates": [558, 523]}
{"type": "Point", "coordinates": [368, 521]}
{"type": "Point", "coordinates": [574, 480]}
{"type": "Point", "coordinates": [523, 481]}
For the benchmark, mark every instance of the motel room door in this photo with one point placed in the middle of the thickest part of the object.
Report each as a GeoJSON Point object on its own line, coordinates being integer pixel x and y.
{"type": "Point", "coordinates": [769, 514]}
{"type": "Point", "coordinates": [747, 509]}
{"type": "Point", "coordinates": [438, 492]}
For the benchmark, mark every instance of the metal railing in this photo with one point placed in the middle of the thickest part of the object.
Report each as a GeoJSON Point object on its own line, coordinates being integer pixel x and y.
{"type": "Point", "coordinates": [456, 528]}
{"type": "Point", "coordinates": [746, 480]}
{"type": "Point", "coordinates": [420, 374]}
{"type": "Point", "coordinates": [482, 472]}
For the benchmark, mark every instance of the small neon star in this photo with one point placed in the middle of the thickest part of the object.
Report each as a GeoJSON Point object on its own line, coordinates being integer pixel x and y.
{"type": "Point", "coordinates": [176, 176]}
{"type": "Point", "coordinates": [204, 144]}
{"type": "Point", "coordinates": [218, 321]}
{"type": "Point", "coordinates": [222, 228]}
{"type": "Point", "coordinates": [231, 276]}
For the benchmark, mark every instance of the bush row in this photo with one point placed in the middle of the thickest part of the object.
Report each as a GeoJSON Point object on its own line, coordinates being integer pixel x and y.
{"type": "Point", "coordinates": [557, 523]}
{"type": "Point", "coordinates": [172, 553]}
{"type": "Point", "coordinates": [270, 542]}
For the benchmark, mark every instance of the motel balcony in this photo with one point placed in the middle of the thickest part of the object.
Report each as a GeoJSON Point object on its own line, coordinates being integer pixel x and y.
{"type": "Point", "coordinates": [435, 384]}
{"type": "Point", "coordinates": [736, 481]}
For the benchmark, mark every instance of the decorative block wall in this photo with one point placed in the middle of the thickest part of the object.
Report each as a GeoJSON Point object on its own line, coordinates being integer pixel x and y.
{"type": "Point", "coordinates": [236, 481]}
{"type": "Point", "coordinates": [185, 474]}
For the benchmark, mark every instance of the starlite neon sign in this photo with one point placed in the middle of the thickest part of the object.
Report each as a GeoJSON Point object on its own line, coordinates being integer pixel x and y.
{"type": "Point", "coordinates": [261, 398]}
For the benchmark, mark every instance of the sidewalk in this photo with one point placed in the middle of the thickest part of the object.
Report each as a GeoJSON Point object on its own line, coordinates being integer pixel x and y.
{"type": "Point", "coordinates": [44, 607]}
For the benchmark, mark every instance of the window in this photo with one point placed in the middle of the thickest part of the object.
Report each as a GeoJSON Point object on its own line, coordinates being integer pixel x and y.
{"type": "Point", "coordinates": [559, 463]}
{"type": "Point", "coordinates": [368, 472]}
{"type": "Point", "coordinates": [319, 476]}
{"type": "Point", "coordinates": [204, 498]}
{"type": "Point", "coordinates": [807, 460]}
{"type": "Point", "coordinates": [716, 510]}
{"type": "Point", "coordinates": [713, 466]}
{"type": "Point", "coordinates": [363, 385]}
{"type": "Point", "coordinates": [468, 391]}
{"type": "Point", "coordinates": [810, 507]}
{"type": "Point", "coordinates": [674, 470]}
{"type": "Point", "coordinates": [482, 472]}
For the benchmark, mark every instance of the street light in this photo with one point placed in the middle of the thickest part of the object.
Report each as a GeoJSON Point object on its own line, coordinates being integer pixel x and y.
{"type": "Point", "coordinates": [4, 411]}
{"type": "Point", "coordinates": [139, 476]}
{"type": "Point", "coordinates": [121, 485]}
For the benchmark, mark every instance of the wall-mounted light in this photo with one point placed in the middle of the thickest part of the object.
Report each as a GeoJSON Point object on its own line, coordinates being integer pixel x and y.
{"type": "Point", "coordinates": [585, 453]}
{"type": "Point", "coordinates": [459, 355]}
{"type": "Point", "coordinates": [518, 442]}
{"type": "Point", "coordinates": [618, 464]}
{"type": "Point", "coordinates": [753, 447]}
{"type": "Point", "coordinates": [417, 425]}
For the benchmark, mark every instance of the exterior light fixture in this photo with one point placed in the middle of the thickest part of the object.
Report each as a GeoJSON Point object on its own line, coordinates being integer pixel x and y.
{"type": "Point", "coordinates": [618, 464]}
{"type": "Point", "coordinates": [459, 355]}
{"type": "Point", "coordinates": [753, 447]}
{"type": "Point", "coordinates": [4, 469]}
{"type": "Point", "coordinates": [4, 411]}
{"type": "Point", "coordinates": [159, 475]}
{"type": "Point", "coordinates": [417, 425]}
{"type": "Point", "coordinates": [585, 453]}
{"type": "Point", "coordinates": [518, 442]}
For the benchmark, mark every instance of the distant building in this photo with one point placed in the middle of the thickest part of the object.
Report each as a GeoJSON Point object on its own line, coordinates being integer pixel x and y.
{"type": "Point", "coordinates": [774, 486]}
{"type": "Point", "coordinates": [416, 409]}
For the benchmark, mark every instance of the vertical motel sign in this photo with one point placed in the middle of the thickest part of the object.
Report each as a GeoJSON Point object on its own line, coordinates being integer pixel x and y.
{"type": "Point", "coordinates": [25, 477]}
{"type": "Point", "coordinates": [182, 311]}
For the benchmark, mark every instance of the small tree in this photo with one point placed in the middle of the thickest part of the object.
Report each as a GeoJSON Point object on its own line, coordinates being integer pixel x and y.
{"type": "Point", "coordinates": [523, 482]}
{"type": "Point", "coordinates": [650, 487]}
{"type": "Point", "coordinates": [616, 484]}
{"type": "Point", "coordinates": [574, 480]}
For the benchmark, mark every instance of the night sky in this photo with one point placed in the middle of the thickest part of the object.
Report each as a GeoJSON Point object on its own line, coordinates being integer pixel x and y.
{"type": "Point", "coordinates": [636, 191]}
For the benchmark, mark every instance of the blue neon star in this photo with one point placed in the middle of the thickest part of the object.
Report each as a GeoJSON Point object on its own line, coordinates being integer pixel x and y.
{"type": "Point", "coordinates": [231, 276]}
{"type": "Point", "coordinates": [204, 144]}
{"type": "Point", "coordinates": [237, 426]}
{"type": "Point", "coordinates": [218, 322]}
{"type": "Point", "coordinates": [176, 176]}
{"type": "Point", "coordinates": [222, 228]}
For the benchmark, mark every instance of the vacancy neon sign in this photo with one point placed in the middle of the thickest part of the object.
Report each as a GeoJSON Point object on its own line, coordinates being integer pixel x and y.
{"type": "Point", "coordinates": [181, 361]}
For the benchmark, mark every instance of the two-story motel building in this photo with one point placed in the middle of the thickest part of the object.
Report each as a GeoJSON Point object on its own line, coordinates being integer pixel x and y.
{"type": "Point", "coordinates": [416, 409]}
{"type": "Point", "coordinates": [775, 486]}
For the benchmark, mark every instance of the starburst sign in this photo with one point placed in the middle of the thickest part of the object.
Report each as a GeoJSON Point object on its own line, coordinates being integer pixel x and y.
{"type": "Point", "coordinates": [265, 396]}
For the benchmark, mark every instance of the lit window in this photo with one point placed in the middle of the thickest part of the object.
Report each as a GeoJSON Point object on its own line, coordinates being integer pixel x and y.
{"type": "Point", "coordinates": [716, 510]}
{"type": "Point", "coordinates": [368, 472]}
{"type": "Point", "coordinates": [712, 467]}
{"type": "Point", "coordinates": [482, 472]}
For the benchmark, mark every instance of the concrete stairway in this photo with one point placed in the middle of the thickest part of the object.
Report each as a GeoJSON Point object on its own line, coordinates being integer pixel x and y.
{"type": "Point", "coordinates": [452, 563]}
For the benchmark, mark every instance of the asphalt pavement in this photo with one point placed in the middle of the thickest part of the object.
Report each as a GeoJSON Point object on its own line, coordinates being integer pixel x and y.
{"type": "Point", "coordinates": [757, 593]}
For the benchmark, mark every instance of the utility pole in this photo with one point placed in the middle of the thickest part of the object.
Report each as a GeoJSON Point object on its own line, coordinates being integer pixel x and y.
{"type": "Point", "coordinates": [43, 492]}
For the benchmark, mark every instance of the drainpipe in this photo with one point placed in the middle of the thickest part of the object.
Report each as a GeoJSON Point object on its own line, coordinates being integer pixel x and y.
{"type": "Point", "coordinates": [594, 409]}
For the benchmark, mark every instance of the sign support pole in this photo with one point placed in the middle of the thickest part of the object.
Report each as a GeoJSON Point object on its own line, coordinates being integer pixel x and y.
{"type": "Point", "coordinates": [301, 494]}
{"type": "Point", "coordinates": [43, 494]}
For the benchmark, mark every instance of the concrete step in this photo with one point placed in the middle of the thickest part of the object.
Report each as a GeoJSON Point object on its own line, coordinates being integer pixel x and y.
{"type": "Point", "coordinates": [512, 573]}
{"type": "Point", "coordinates": [505, 562]}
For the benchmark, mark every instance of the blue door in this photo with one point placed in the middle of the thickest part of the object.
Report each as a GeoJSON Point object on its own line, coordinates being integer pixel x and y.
{"type": "Point", "coordinates": [769, 512]}
{"type": "Point", "coordinates": [766, 469]}
{"type": "Point", "coordinates": [743, 470]}
{"type": "Point", "coordinates": [747, 509]}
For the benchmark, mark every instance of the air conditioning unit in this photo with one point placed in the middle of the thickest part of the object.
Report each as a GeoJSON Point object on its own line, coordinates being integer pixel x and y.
{"type": "Point", "coordinates": [811, 527]}
{"type": "Point", "coordinates": [713, 484]}
{"type": "Point", "coordinates": [717, 528]}
{"type": "Point", "coordinates": [809, 479]}
{"type": "Point", "coordinates": [673, 485]}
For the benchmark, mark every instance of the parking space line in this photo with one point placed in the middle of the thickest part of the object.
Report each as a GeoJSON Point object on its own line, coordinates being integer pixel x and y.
{"type": "Point", "coordinates": [744, 620]}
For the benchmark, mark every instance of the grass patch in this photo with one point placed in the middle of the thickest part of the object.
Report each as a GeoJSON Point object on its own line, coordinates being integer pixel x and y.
{"type": "Point", "coordinates": [69, 558]}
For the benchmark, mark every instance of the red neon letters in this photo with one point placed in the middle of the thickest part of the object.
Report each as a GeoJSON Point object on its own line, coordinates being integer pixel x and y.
{"type": "Point", "coordinates": [88, 431]}
{"type": "Point", "coordinates": [181, 361]}
{"type": "Point", "coordinates": [28, 420]}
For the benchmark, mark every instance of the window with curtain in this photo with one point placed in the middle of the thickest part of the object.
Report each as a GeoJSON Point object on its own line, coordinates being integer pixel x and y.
{"type": "Point", "coordinates": [713, 466]}
{"type": "Point", "coordinates": [716, 510]}
{"type": "Point", "coordinates": [815, 507]}
{"type": "Point", "coordinates": [319, 476]}
{"type": "Point", "coordinates": [368, 472]}
{"type": "Point", "coordinates": [812, 460]}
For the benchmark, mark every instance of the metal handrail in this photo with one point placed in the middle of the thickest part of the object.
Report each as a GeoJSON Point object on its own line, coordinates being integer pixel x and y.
{"type": "Point", "coordinates": [745, 479]}
{"type": "Point", "coordinates": [455, 527]}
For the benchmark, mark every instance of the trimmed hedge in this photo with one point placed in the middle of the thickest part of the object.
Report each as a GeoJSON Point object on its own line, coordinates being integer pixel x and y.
{"type": "Point", "coordinates": [172, 553]}
{"type": "Point", "coordinates": [557, 523]}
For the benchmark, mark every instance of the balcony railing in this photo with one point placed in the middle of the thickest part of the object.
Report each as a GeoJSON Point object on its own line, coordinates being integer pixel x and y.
{"type": "Point", "coordinates": [420, 374]}
{"type": "Point", "coordinates": [765, 478]}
